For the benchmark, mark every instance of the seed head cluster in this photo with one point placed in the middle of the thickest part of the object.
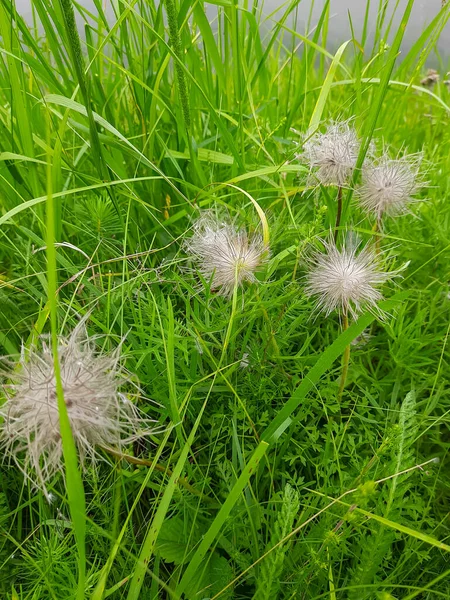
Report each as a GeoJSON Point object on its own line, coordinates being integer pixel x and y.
{"type": "Point", "coordinates": [388, 186]}
{"type": "Point", "coordinates": [345, 280]}
{"type": "Point", "coordinates": [99, 414]}
{"type": "Point", "coordinates": [332, 155]}
{"type": "Point", "coordinates": [225, 255]}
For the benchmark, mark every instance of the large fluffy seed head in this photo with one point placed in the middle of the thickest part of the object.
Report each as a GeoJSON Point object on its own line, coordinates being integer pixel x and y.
{"type": "Point", "coordinates": [332, 155]}
{"type": "Point", "coordinates": [345, 280]}
{"type": "Point", "coordinates": [99, 414]}
{"type": "Point", "coordinates": [388, 186]}
{"type": "Point", "coordinates": [225, 255]}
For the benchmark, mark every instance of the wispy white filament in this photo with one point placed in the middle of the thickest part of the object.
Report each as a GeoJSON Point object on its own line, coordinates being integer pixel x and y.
{"type": "Point", "coordinates": [345, 280]}
{"type": "Point", "coordinates": [388, 185]}
{"type": "Point", "coordinates": [332, 155]}
{"type": "Point", "coordinates": [99, 414]}
{"type": "Point", "coordinates": [225, 255]}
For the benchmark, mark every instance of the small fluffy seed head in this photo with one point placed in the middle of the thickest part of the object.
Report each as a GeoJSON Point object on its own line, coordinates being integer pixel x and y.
{"type": "Point", "coordinates": [332, 155]}
{"type": "Point", "coordinates": [431, 78]}
{"type": "Point", "coordinates": [345, 280]}
{"type": "Point", "coordinates": [388, 185]}
{"type": "Point", "coordinates": [225, 254]}
{"type": "Point", "coordinates": [99, 414]}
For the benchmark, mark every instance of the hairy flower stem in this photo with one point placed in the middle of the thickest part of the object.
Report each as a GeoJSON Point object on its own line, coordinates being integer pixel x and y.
{"type": "Point", "coordinates": [378, 239]}
{"type": "Point", "coordinates": [345, 361]}
{"type": "Point", "coordinates": [133, 460]}
{"type": "Point", "coordinates": [376, 230]}
{"type": "Point", "coordinates": [339, 213]}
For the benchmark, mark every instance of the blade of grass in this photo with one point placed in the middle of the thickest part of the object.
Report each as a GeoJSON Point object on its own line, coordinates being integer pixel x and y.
{"type": "Point", "coordinates": [19, 99]}
{"type": "Point", "coordinates": [149, 542]}
{"type": "Point", "coordinates": [316, 117]}
{"type": "Point", "coordinates": [74, 483]}
{"type": "Point", "coordinates": [221, 517]}
{"type": "Point", "coordinates": [326, 359]}
{"type": "Point", "coordinates": [83, 82]}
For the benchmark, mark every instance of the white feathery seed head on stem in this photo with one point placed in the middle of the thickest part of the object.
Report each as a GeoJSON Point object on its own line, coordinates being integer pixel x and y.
{"type": "Point", "coordinates": [388, 185]}
{"type": "Point", "coordinates": [225, 254]}
{"type": "Point", "coordinates": [346, 279]}
{"type": "Point", "coordinates": [332, 155]}
{"type": "Point", "coordinates": [99, 414]}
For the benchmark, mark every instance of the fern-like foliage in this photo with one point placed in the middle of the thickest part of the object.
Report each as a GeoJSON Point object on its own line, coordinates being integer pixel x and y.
{"type": "Point", "coordinates": [271, 567]}
{"type": "Point", "coordinates": [376, 544]}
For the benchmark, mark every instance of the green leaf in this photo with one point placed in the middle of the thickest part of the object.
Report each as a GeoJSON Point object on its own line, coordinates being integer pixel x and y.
{"type": "Point", "coordinates": [171, 543]}
{"type": "Point", "coordinates": [211, 579]}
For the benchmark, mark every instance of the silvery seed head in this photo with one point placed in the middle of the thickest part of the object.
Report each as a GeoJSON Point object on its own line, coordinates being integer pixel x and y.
{"type": "Point", "coordinates": [346, 280]}
{"type": "Point", "coordinates": [332, 155]}
{"type": "Point", "coordinates": [99, 414]}
{"type": "Point", "coordinates": [225, 255]}
{"type": "Point", "coordinates": [388, 185]}
{"type": "Point", "coordinates": [431, 78]}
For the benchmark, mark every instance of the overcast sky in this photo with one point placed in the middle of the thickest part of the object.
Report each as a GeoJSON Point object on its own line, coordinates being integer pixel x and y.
{"type": "Point", "coordinates": [339, 30]}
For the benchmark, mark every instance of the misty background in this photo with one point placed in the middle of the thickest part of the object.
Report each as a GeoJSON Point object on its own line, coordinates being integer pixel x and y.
{"type": "Point", "coordinates": [339, 28]}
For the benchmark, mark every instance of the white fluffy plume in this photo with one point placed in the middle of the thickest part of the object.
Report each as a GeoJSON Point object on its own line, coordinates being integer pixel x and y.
{"type": "Point", "coordinates": [345, 280]}
{"type": "Point", "coordinates": [99, 414]}
{"type": "Point", "coordinates": [224, 254]}
{"type": "Point", "coordinates": [388, 185]}
{"type": "Point", "coordinates": [332, 155]}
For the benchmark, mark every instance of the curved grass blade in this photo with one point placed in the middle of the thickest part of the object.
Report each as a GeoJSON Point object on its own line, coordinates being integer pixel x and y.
{"type": "Point", "coordinates": [316, 117]}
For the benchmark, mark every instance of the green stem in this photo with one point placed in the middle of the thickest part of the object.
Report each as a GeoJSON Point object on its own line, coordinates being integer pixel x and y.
{"type": "Point", "coordinates": [133, 460]}
{"type": "Point", "coordinates": [339, 213]}
{"type": "Point", "coordinates": [345, 361]}
{"type": "Point", "coordinates": [232, 316]}
{"type": "Point", "coordinates": [377, 229]}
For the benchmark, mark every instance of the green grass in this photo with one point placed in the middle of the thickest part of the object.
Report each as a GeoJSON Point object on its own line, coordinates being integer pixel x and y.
{"type": "Point", "coordinates": [261, 485]}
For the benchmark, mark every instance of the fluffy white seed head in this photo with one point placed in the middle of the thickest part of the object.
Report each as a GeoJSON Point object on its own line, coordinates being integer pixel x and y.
{"type": "Point", "coordinates": [388, 185]}
{"type": "Point", "coordinates": [224, 254]}
{"type": "Point", "coordinates": [345, 280]}
{"type": "Point", "coordinates": [100, 415]}
{"type": "Point", "coordinates": [332, 155]}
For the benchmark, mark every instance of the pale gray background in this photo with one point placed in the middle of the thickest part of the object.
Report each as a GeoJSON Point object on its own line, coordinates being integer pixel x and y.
{"type": "Point", "coordinates": [339, 30]}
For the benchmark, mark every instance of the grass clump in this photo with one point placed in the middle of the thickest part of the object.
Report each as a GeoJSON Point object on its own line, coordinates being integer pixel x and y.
{"type": "Point", "coordinates": [166, 179]}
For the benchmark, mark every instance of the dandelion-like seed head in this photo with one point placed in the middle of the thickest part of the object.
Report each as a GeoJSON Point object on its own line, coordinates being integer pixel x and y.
{"type": "Point", "coordinates": [345, 280]}
{"type": "Point", "coordinates": [388, 185]}
{"type": "Point", "coordinates": [430, 78]}
{"type": "Point", "coordinates": [99, 414]}
{"type": "Point", "coordinates": [225, 255]}
{"type": "Point", "coordinates": [332, 155]}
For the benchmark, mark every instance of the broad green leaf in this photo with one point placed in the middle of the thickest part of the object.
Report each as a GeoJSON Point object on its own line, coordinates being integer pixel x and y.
{"type": "Point", "coordinates": [171, 543]}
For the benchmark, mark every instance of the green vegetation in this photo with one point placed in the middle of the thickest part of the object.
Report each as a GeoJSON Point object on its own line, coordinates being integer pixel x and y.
{"type": "Point", "coordinates": [264, 479]}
